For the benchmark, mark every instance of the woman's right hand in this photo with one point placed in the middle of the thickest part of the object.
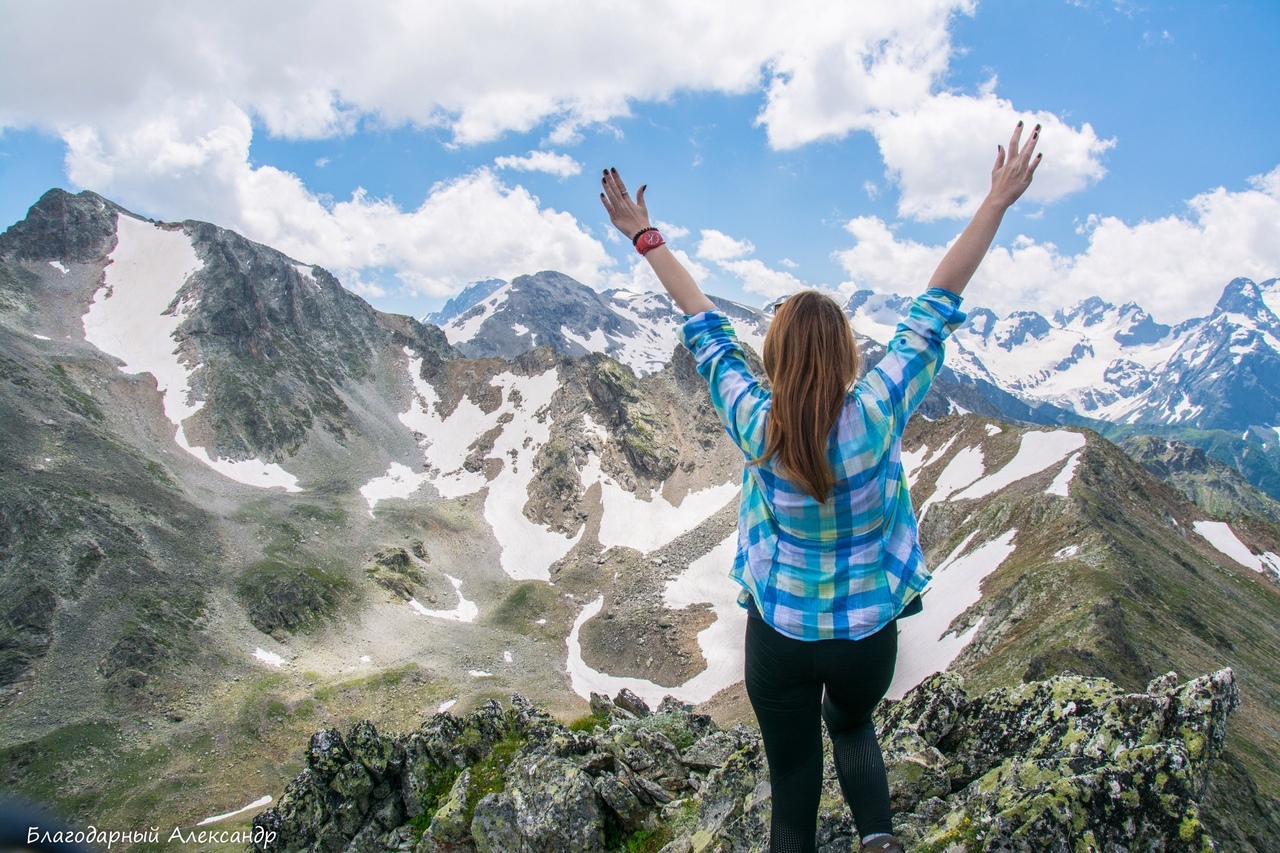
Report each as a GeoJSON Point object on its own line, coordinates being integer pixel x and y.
{"type": "Point", "coordinates": [1014, 168]}
{"type": "Point", "coordinates": [627, 215]}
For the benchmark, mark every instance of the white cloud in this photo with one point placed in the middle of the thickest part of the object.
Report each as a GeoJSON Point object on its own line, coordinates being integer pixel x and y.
{"type": "Point", "coordinates": [730, 254]}
{"type": "Point", "coordinates": [718, 247]}
{"type": "Point", "coordinates": [639, 276]}
{"type": "Point", "coordinates": [670, 231]}
{"type": "Point", "coordinates": [941, 153]}
{"type": "Point", "coordinates": [313, 69]}
{"type": "Point", "coordinates": [560, 165]}
{"type": "Point", "coordinates": [759, 278]}
{"type": "Point", "coordinates": [196, 161]}
{"type": "Point", "coordinates": [1175, 266]}
{"type": "Point", "coordinates": [166, 126]}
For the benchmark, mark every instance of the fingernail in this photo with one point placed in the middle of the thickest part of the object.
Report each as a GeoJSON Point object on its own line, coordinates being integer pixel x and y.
{"type": "Point", "coordinates": [1019, 124]}
{"type": "Point", "coordinates": [611, 169]}
{"type": "Point", "coordinates": [1037, 127]}
{"type": "Point", "coordinates": [1038, 156]}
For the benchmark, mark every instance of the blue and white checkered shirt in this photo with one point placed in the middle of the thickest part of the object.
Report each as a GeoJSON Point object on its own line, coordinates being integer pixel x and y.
{"type": "Point", "coordinates": [844, 568]}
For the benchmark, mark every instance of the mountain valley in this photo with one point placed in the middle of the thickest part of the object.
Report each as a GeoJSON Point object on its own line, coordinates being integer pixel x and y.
{"type": "Point", "coordinates": [241, 505]}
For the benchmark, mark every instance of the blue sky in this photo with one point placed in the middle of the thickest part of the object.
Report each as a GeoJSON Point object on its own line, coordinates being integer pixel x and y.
{"type": "Point", "coordinates": [840, 146]}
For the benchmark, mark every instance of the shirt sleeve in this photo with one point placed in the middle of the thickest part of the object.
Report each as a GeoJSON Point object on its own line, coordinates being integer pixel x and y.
{"type": "Point", "coordinates": [736, 394]}
{"type": "Point", "coordinates": [893, 389]}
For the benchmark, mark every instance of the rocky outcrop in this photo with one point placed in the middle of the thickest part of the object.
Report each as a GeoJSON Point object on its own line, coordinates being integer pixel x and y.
{"type": "Point", "coordinates": [1065, 764]}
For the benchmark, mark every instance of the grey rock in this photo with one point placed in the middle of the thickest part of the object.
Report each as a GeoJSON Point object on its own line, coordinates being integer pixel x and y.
{"type": "Point", "coordinates": [557, 807]}
{"type": "Point", "coordinates": [494, 826]}
{"type": "Point", "coordinates": [628, 701]}
{"type": "Point", "coordinates": [710, 752]}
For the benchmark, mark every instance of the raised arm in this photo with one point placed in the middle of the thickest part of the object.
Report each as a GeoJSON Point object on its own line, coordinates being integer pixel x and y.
{"type": "Point", "coordinates": [1009, 179]}
{"type": "Point", "coordinates": [631, 216]}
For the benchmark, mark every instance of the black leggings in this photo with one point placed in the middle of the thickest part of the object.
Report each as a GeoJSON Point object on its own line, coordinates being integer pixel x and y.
{"type": "Point", "coordinates": [785, 682]}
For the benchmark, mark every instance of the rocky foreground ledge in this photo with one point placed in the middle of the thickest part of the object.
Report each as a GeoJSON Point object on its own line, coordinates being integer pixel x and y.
{"type": "Point", "coordinates": [1068, 764]}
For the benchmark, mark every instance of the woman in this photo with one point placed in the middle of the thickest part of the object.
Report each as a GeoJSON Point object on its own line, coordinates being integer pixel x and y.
{"type": "Point", "coordinates": [828, 555]}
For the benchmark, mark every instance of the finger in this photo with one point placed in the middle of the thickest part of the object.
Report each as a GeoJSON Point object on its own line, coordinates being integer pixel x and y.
{"type": "Point", "coordinates": [1031, 145]}
{"type": "Point", "coordinates": [1013, 140]}
{"type": "Point", "coordinates": [622, 188]}
{"type": "Point", "coordinates": [1035, 161]}
{"type": "Point", "coordinates": [999, 158]}
{"type": "Point", "coordinates": [608, 205]}
{"type": "Point", "coordinates": [611, 189]}
{"type": "Point", "coordinates": [640, 197]}
{"type": "Point", "coordinates": [611, 197]}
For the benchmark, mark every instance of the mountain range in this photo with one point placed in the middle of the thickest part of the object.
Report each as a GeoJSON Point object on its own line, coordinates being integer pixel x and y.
{"type": "Point", "coordinates": [241, 505]}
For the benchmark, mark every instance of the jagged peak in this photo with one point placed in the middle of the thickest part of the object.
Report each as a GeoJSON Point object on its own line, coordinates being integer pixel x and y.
{"type": "Point", "coordinates": [62, 226]}
{"type": "Point", "coordinates": [1240, 296]}
{"type": "Point", "coordinates": [1089, 310]}
{"type": "Point", "coordinates": [467, 298]}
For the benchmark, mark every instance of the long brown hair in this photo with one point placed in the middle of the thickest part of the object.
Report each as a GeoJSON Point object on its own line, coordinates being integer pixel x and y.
{"type": "Point", "coordinates": [811, 360]}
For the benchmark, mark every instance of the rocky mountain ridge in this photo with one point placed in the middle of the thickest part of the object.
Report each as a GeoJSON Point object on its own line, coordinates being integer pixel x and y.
{"type": "Point", "coordinates": [1209, 381]}
{"type": "Point", "coordinates": [1064, 764]}
{"type": "Point", "coordinates": [235, 542]}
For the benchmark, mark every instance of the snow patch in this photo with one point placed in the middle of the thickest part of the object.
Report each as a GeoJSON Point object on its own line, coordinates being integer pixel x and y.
{"type": "Point", "coordinates": [992, 429]}
{"type": "Point", "coordinates": [528, 549]}
{"type": "Point", "coordinates": [400, 481]}
{"type": "Point", "coordinates": [1069, 551]}
{"type": "Point", "coordinates": [595, 342]}
{"type": "Point", "coordinates": [1037, 452]}
{"type": "Point", "coordinates": [466, 611]}
{"type": "Point", "coordinates": [269, 658]}
{"type": "Point", "coordinates": [264, 800]}
{"type": "Point", "coordinates": [964, 468]}
{"type": "Point", "coordinates": [58, 265]}
{"type": "Point", "coordinates": [721, 642]}
{"type": "Point", "coordinates": [479, 673]}
{"type": "Point", "coordinates": [133, 317]}
{"type": "Point", "coordinates": [629, 522]}
{"type": "Point", "coordinates": [1062, 482]}
{"type": "Point", "coordinates": [41, 337]}
{"type": "Point", "coordinates": [925, 645]}
{"type": "Point", "coordinates": [1220, 535]}
{"type": "Point", "coordinates": [446, 705]}
{"type": "Point", "coordinates": [506, 656]}
{"type": "Point", "coordinates": [520, 330]}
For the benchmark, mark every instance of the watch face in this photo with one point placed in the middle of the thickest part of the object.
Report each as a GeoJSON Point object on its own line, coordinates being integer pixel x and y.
{"type": "Point", "coordinates": [651, 238]}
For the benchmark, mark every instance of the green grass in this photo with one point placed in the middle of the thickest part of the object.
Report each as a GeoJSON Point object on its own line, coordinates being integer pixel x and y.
{"type": "Point", "coordinates": [280, 595]}
{"type": "Point", "coordinates": [589, 723]}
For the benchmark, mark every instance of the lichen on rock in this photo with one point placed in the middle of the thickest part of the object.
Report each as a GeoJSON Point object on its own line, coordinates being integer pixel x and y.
{"type": "Point", "coordinates": [1065, 764]}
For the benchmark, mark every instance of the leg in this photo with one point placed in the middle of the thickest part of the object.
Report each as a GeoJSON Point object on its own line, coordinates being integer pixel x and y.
{"type": "Point", "coordinates": [787, 699]}
{"type": "Point", "coordinates": [857, 677]}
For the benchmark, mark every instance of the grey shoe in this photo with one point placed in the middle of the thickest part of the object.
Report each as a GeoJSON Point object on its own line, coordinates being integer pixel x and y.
{"type": "Point", "coordinates": [888, 844]}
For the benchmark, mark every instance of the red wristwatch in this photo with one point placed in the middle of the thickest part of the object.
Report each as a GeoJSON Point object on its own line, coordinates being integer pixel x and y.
{"type": "Point", "coordinates": [649, 240]}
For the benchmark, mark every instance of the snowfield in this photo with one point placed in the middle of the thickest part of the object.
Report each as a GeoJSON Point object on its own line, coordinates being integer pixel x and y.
{"type": "Point", "coordinates": [466, 611]}
{"type": "Point", "coordinates": [706, 580]}
{"type": "Point", "coordinates": [924, 646]}
{"type": "Point", "coordinates": [1220, 535]}
{"type": "Point", "coordinates": [1037, 451]}
{"type": "Point", "coordinates": [528, 549]}
{"type": "Point", "coordinates": [131, 318]}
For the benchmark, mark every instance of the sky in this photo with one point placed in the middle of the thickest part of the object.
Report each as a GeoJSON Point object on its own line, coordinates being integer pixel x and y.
{"type": "Point", "coordinates": [412, 148]}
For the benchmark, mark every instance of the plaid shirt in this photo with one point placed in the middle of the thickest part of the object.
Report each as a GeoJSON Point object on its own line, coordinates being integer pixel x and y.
{"type": "Point", "coordinates": [845, 568]}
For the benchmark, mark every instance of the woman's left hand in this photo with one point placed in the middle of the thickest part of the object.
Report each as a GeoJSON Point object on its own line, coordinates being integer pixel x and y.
{"type": "Point", "coordinates": [627, 215]}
